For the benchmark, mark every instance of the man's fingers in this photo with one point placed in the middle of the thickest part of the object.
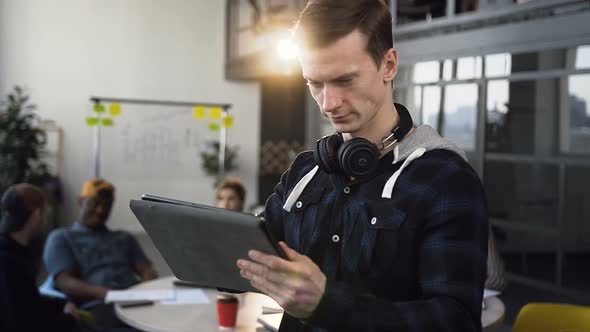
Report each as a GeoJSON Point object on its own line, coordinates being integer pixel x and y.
{"type": "Point", "coordinates": [277, 291]}
{"type": "Point", "coordinates": [291, 254]}
{"type": "Point", "coordinates": [291, 279]}
{"type": "Point", "coordinates": [262, 271]}
{"type": "Point", "coordinates": [272, 262]}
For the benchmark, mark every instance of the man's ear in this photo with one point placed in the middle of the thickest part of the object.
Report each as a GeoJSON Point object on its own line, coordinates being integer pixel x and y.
{"type": "Point", "coordinates": [390, 65]}
{"type": "Point", "coordinates": [37, 214]}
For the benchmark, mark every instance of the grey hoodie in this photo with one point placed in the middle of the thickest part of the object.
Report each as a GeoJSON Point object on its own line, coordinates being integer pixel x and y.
{"type": "Point", "coordinates": [412, 147]}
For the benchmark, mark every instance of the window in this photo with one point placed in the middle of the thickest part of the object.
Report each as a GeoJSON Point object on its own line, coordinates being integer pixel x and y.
{"type": "Point", "coordinates": [431, 106]}
{"type": "Point", "coordinates": [583, 56]}
{"type": "Point", "coordinates": [426, 72]}
{"type": "Point", "coordinates": [460, 121]}
{"type": "Point", "coordinates": [469, 67]}
{"type": "Point", "coordinates": [498, 64]}
{"type": "Point", "coordinates": [577, 137]}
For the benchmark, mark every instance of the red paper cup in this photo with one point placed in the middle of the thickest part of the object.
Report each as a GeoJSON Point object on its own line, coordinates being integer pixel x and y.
{"type": "Point", "coordinates": [227, 310]}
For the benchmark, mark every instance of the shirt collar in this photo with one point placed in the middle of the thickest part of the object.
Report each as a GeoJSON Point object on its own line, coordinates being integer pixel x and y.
{"type": "Point", "coordinates": [78, 226]}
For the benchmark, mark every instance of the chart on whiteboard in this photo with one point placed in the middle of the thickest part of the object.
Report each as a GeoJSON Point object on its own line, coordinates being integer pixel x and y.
{"type": "Point", "coordinates": [147, 141]}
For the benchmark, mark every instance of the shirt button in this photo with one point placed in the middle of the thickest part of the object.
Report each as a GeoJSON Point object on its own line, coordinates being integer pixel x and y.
{"type": "Point", "coordinates": [347, 190]}
{"type": "Point", "coordinates": [298, 204]}
{"type": "Point", "coordinates": [335, 238]}
{"type": "Point", "coordinates": [373, 220]}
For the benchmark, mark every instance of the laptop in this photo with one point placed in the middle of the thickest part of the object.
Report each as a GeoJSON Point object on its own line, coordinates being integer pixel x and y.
{"type": "Point", "coordinates": [201, 243]}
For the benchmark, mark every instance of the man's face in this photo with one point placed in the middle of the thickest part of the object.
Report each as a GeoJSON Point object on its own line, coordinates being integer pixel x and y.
{"type": "Point", "coordinates": [348, 86]}
{"type": "Point", "coordinates": [228, 199]}
{"type": "Point", "coordinates": [39, 221]}
{"type": "Point", "coordinates": [96, 210]}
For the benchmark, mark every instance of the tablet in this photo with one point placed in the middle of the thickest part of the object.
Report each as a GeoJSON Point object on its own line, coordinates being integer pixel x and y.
{"type": "Point", "coordinates": [201, 243]}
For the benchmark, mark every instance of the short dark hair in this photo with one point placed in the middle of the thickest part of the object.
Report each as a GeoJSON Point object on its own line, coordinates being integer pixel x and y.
{"type": "Point", "coordinates": [234, 184]}
{"type": "Point", "coordinates": [17, 204]}
{"type": "Point", "coordinates": [322, 22]}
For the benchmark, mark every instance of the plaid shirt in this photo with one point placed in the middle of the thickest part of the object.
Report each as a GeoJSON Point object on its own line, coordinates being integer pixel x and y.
{"type": "Point", "coordinates": [415, 262]}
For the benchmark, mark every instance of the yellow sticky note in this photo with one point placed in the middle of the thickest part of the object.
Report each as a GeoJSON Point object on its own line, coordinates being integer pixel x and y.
{"type": "Point", "coordinates": [115, 109]}
{"type": "Point", "coordinates": [228, 121]}
{"type": "Point", "coordinates": [107, 122]}
{"type": "Point", "coordinates": [215, 113]}
{"type": "Point", "coordinates": [199, 112]}
{"type": "Point", "coordinates": [99, 108]}
{"type": "Point", "coordinates": [213, 126]}
{"type": "Point", "coordinates": [91, 121]}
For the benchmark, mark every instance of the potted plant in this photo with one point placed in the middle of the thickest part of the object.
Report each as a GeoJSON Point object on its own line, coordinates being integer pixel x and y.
{"type": "Point", "coordinates": [21, 142]}
{"type": "Point", "coordinates": [210, 158]}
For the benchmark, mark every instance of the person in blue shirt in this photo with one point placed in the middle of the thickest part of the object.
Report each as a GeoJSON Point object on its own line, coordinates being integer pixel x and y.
{"type": "Point", "coordinates": [384, 225]}
{"type": "Point", "coordinates": [89, 259]}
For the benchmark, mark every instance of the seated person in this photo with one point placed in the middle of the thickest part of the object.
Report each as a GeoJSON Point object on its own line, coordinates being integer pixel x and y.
{"type": "Point", "coordinates": [22, 307]}
{"type": "Point", "coordinates": [88, 260]}
{"type": "Point", "coordinates": [230, 194]}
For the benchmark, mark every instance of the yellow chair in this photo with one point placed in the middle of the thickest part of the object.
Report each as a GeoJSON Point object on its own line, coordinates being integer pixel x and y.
{"type": "Point", "coordinates": [552, 317]}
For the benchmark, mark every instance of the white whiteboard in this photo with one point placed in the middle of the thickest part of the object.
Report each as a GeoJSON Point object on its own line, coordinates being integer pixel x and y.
{"type": "Point", "coordinates": [154, 150]}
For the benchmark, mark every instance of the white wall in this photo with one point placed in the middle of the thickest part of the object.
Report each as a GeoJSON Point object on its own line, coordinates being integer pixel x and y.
{"type": "Point", "coordinates": [63, 51]}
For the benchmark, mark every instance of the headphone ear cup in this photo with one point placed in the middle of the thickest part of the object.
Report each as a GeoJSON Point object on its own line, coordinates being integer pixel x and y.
{"type": "Point", "coordinates": [358, 157]}
{"type": "Point", "coordinates": [326, 153]}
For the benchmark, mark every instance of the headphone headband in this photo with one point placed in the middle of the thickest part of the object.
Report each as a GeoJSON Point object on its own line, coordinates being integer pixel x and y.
{"type": "Point", "coordinates": [404, 124]}
{"type": "Point", "coordinates": [358, 157]}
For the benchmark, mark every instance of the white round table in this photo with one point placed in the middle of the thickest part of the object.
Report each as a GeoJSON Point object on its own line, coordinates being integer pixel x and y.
{"type": "Point", "coordinates": [203, 317]}
{"type": "Point", "coordinates": [492, 315]}
{"type": "Point", "coordinates": [191, 317]}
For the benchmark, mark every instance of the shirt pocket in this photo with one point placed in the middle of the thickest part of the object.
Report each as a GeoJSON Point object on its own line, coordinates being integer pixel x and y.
{"type": "Point", "coordinates": [302, 220]}
{"type": "Point", "coordinates": [381, 238]}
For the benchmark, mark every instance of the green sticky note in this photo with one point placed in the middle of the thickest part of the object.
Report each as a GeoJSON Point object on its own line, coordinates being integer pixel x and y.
{"type": "Point", "coordinates": [199, 112]}
{"type": "Point", "coordinates": [115, 109]}
{"type": "Point", "coordinates": [214, 126]}
{"type": "Point", "coordinates": [107, 122]}
{"type": "Point", "coordinates": [99, 108]}
{"type": "Point", "coordinates": [91, 121]}
{"type": "Point", "coordinates": [215, 113]}
{"type": "Point", "coordinates": [228, 121]}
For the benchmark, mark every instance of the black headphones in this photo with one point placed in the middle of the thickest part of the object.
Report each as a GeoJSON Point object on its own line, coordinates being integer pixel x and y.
{"type": "Point", "coordinates": [357, 157]}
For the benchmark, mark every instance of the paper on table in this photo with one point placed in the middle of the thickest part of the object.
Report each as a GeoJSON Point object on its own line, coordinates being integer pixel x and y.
{"type": "Point", "coordinates": [271, 322]}
{"type": "Point", "coordinates": [490, 293]}
{"type": "Point", "coordinates": [187, 296]}
{"type": "Point", "coordinates": [139, 295]}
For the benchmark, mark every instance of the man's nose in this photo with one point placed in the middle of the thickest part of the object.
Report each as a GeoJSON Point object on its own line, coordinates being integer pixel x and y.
{"type": "Point", "coordinates": [332, 99]}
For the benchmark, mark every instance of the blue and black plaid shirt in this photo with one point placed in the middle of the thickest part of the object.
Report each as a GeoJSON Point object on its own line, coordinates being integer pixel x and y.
{"type": "Point", "coordinates": [414, 262]}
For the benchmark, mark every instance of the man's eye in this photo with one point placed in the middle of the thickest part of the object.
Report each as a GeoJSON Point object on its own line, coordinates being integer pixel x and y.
{"type": "Point", "coordinates": [315, 85]}
{"type": "Point", "coordinates": [346, 81]}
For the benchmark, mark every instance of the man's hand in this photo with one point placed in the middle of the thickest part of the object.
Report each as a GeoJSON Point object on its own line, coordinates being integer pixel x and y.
{"type": "Point", "coordinates": [296, 284]}
{"type": "Point", "coordinates": [146, 271]}
{"type": "Point", "coordinates": [72, 309]}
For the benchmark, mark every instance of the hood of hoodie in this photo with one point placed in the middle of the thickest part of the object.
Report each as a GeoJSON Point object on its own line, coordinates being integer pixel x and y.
{"type": "Point", "coordinates": [412, 147]}
{"type": "Point", "coordinates": [424, 137]}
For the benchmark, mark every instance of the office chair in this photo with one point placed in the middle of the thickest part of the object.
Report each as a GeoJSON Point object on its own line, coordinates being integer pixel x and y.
{"type": "Point", "coordinates": [552, 317]}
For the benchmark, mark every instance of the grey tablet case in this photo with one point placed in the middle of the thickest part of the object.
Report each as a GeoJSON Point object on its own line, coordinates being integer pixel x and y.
{"type": "Point", "coordinates": [200, 243]}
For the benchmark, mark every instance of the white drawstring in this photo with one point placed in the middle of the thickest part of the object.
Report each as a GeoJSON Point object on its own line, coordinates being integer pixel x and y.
{"type": "Point", "coordinates": [299, 187]}
{"type": "Point", "coordinates": [388, 188]}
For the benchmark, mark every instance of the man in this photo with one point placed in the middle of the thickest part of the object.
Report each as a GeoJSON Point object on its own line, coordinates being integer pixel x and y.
{"type": "Point", "coordinates": [398, 244]}
{"type": "Point", "coordinates": [21, 305]}
{"type": "Point", "coordinates": [230, 194]}
{"type": "Point", "coordinates": [88, 260]}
